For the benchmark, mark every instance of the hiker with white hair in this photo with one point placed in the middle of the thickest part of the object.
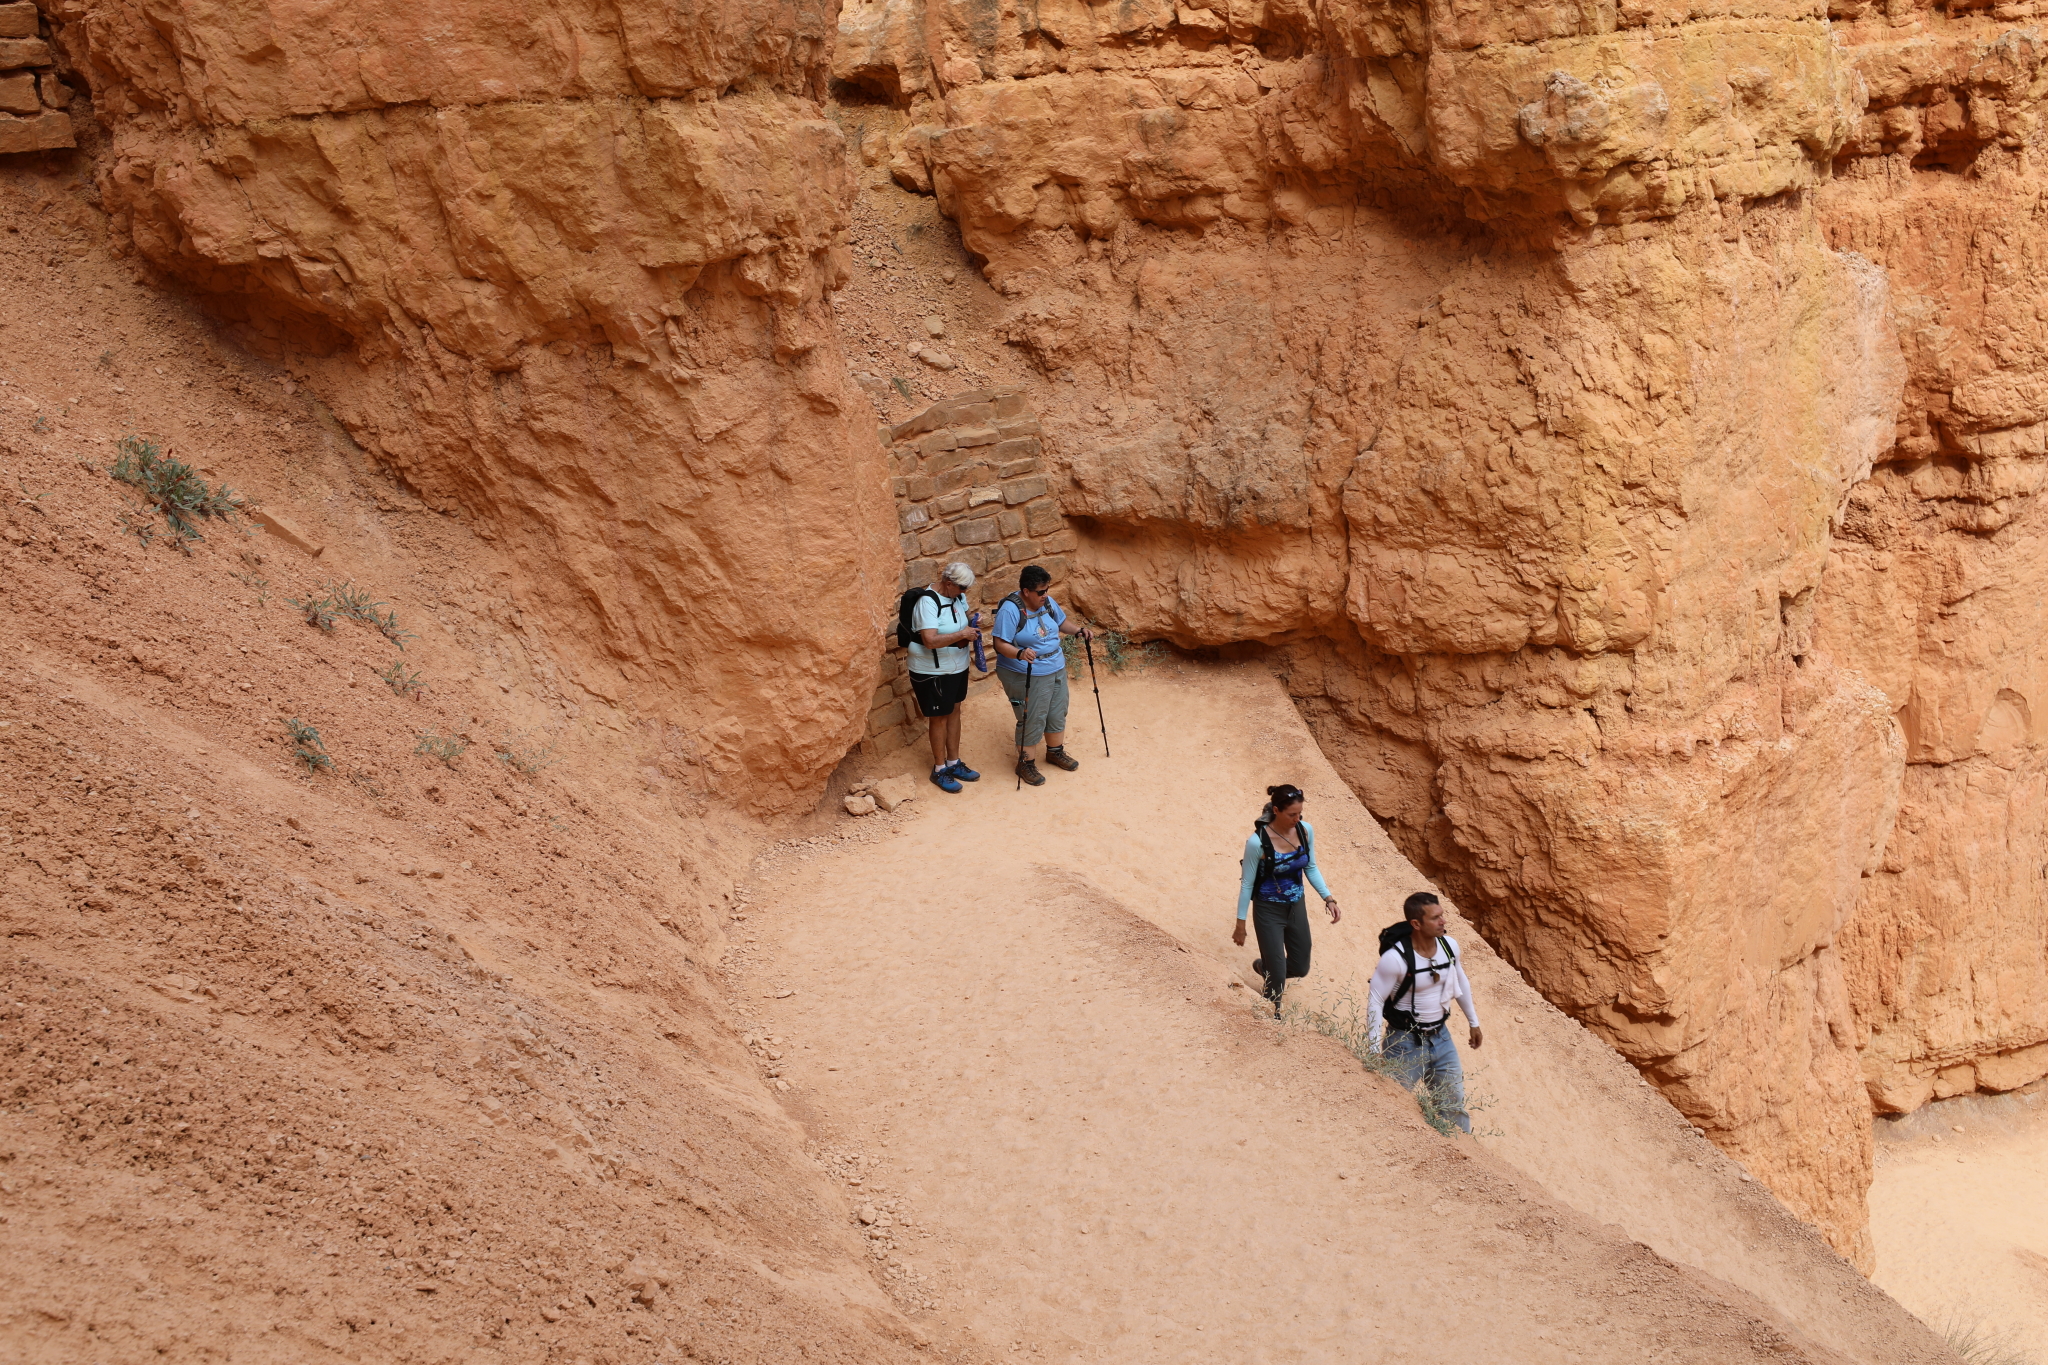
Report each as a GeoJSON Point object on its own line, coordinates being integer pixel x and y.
{"type": "Point", "coordinates": [940, 630]}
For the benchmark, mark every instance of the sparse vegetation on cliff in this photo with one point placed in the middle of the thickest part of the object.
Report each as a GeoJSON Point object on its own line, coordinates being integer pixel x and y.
{"type": "Point", "coordinates": [1978, 1344]}
{"type": "Point", "coordinates": [174, 489]}
{"type": "Point", "coordinates": [307, 747]}
{"type": "Point", "coordinates": [1346, 1020]}
{"type": "Point", "coordinates": [403, 681]}
{"type": "Point", "coordinates": [445, 748]}
{"type": "Point", "coordinates": [522, 755]}
{"type": "Point", "coordinates": [318, 612]}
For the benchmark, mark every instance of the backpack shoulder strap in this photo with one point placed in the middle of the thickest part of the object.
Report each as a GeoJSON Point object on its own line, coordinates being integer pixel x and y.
{"type": "Point", "coordinates": [1015, 599]}
{"type": "Point", "coordinates": [1266, 857]}
{"type": "Point", "coordinates": [1407, 948]}
{"type": "Point", "coordinates": [910, 613]}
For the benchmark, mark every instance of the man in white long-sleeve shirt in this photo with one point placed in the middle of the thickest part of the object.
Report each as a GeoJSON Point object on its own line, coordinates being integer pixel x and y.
{"type": "Point", "coordinates": [1411, 995]}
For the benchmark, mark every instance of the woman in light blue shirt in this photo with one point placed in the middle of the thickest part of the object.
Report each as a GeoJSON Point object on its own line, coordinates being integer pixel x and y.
{"type": "Point", "coordinates": [1033, 671]}
{"type": "Point", "coordinates": [1280, 853]}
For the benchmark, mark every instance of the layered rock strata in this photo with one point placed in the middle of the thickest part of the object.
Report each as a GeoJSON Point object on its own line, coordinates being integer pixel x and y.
{"type": "Point", "coordinates": [571, 273]}
{"type": "Point", "coordinates": [1508, 364]}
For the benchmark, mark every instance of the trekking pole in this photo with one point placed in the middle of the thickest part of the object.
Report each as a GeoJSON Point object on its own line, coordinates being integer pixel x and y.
{"type": "Point", "coordinates": [1089, 641]}
{"type": "Point", "coordinates": [1023, 722]}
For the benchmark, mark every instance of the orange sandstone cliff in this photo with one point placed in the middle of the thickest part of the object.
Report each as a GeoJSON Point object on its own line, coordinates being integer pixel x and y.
{"type": "Point", "coordinates": [570, 270]}
{"type": "Point", "coordinates": [1627, 417]}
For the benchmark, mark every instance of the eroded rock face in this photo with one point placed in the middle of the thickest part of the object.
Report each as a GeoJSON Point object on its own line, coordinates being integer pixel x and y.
{"type": "Point", "coordinates": [1629, 420]}
{"type": "Point", "coordinates": [1933, 586]}
{"type": "Point", "coordinates": [571, 268]}
{"type": "Point", "coordinates": [1551, 383]}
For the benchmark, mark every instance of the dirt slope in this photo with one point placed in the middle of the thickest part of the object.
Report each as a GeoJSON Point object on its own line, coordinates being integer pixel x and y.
{"type": "Point", "coordinates": [405, 1060]}
{"type": "Point", "coordinates": [1079, 1138]}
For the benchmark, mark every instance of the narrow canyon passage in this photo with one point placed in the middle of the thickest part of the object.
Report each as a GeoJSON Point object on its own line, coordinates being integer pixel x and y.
{"type": "Point", "coordinates": [1082, 1141]}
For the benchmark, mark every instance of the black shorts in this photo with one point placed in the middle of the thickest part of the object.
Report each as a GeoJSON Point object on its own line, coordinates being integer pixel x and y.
{"type": "Point", "coordinates": [938, 693]}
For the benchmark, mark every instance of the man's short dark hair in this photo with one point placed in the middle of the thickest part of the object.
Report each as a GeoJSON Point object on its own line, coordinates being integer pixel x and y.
{"type": "Point", "coordinates": [1033, 578]}
{"type": "Point", "coordinates": [1413, 907]}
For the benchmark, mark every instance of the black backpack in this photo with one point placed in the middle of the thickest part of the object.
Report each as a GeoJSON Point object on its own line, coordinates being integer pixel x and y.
{"type": "Point", "coordinates": [905, 605]}
{"type": "Point", "coordinates": [1401, 935]}
{"type": "Point", "coordinates": [1267, 855]}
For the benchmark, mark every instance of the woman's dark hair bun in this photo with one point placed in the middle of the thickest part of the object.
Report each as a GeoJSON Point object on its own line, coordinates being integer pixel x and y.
{"type": "Point", "coordinates": [1286, 794]}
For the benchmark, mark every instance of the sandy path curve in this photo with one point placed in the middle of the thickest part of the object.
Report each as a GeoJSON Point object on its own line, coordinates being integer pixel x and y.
{"type": "Point", "coordinates": [1084, 1144]}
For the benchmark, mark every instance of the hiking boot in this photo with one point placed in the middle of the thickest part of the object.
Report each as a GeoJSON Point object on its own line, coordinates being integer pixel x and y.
{"type": "Point", "coordinates": [1060, 759]}
{"type": "Point", "coordinates": [1028, 770]}
{"type": "Point", "coordinates": [943, 780]}
{"type": "Point", "coordinates": [963, 772]}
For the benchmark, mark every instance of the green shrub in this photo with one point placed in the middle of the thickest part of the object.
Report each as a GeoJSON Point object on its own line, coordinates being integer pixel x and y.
{"type": "Point", "coordinates": [346, 600]}
{"type": "Point", "coordinates": [318, 611]}
{"type": "Point", "coordinates": [1345, 1020]}
{"type": "Point", "coordinates": [306, 745]}
{"type": "Point", "coordinates": [1118, 650]}
{"type": "Point", "coordinates": [446, 748]}
{"type": "Point", "coordinates": [403, 681]}
{"type": "Point", "coordinates": [517, 753]}
{"type": "Point", "coordinates": [174, 489]}
{"type": "Point", "coordinates": [352, 602]}
{"type": "Point", "coordinates": [388, 625]}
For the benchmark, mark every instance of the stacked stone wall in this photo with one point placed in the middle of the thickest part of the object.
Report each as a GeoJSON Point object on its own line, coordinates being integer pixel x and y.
{"type": "Point", "coordinates": [32, 99]}
{"type": "Point", "coordinates": [970, 485]}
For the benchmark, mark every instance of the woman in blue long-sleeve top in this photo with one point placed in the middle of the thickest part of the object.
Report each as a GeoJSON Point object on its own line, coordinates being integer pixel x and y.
{"type": "Point", "coordinates": [1281, 851]}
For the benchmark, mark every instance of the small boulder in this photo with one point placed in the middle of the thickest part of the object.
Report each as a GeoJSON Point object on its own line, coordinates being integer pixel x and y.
{"type": "Point", "coordinates": [894, 791]}
{"type": "Point", "coordinates": [860, 805]}
{"type": "Point", "coordinates": [935, 326]}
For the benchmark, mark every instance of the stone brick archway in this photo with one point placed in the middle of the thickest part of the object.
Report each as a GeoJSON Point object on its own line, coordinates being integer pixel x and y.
{"type": "Point", "coordinates": [970, 485]}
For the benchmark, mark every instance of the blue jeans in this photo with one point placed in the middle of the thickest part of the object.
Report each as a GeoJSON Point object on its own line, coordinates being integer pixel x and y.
{"type": "Point", "coordinates": [1433, 1058]}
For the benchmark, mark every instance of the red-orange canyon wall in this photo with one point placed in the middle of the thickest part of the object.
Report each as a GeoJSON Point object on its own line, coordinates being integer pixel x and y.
{"type": "Point", "coordinates": [1625, 417]}
{"type": "Point", "coordinates": [569, 268]}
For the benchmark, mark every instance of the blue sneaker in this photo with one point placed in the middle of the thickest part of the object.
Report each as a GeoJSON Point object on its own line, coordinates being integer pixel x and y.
{"type": "Point", "coordinates": [943, 780]}
{"type": "Point", "coordinates": [963, 772]}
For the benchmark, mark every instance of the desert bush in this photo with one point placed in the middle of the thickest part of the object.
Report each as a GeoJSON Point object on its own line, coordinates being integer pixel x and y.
{"type": "Point", "coordinates": [351, 602]}
{"type": "Point", "coordinates": [346, 601]}
{"type": "Point", "coordinates": [319, 612]}
{"type": "Point", "coordinates": [446, 748]}
{"type": "Point", "coordinates": [1346, 1020]}
{"type": "Point", "coordinates": [515, 751]}
{"type": "Point", "coordinates": [1978, 1344]}
{"type": "Point", "coordinates": [387, 625]}
{"type": "Point", "coordinates": [306, 745]}
{"type": "Point", "coordinates": [174, 489]}
{"type": "Point", "coordinates": [405, 682]}
{"type": "Point", "coordinates": [1119, 651]}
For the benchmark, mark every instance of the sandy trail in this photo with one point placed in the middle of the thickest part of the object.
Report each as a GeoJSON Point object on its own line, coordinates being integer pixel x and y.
{"type": "Point", "coordinates": [1020, 1005]}
{"type": "Point", "coordinates": [1960, 1218]}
